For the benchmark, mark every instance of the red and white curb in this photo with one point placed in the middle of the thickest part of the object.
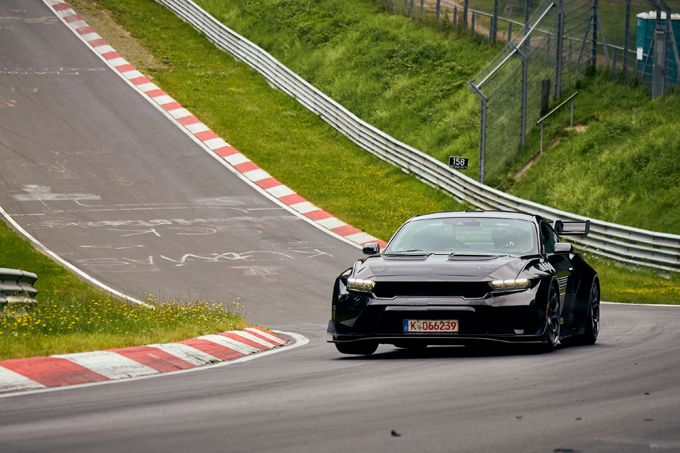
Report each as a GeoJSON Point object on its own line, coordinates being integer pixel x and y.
{"type": "Point", "coordinates": [249, 170]}
{"type": "Point", "coordinates": [37, 373]}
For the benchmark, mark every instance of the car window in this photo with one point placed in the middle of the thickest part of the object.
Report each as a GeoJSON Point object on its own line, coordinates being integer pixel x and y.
{"type": "Point", "coordinates": [466, 235]}
{"type": "Point", "coordinates": [548, 238]}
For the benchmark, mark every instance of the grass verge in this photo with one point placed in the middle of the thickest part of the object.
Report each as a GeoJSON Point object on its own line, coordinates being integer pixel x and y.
{"type": "Point", "coordinates": [297, 147]}
{"type": "Point", "coordinates": [73, 316]}
{"type": "Point", "coordinates": [408, 78]}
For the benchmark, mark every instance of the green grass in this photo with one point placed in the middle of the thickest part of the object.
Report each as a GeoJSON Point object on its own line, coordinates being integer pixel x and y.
{"type": "Point", "coordinates": [624, 168]}
{"type": "Point", "coordinates": [408, 78]}
{"type": "Point", "coordinates": [72, 316]}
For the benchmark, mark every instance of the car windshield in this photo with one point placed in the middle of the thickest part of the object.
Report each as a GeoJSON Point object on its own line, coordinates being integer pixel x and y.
{"type": "Point", "coordinates": [466, 236]}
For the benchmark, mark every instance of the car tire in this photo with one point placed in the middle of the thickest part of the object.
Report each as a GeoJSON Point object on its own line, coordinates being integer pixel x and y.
{"type": "Point", "coordinates": [591, 327]}
{"type": "Point", "coordinates": [551, 338]}
{"type": "Point", "coordinates": [358, 348]}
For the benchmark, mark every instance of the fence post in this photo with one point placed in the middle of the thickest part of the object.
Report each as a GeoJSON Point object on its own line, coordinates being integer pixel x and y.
{"type": "Point", "coordinates": [438, 8]}
{"type": "Point", "coordinates": [527, 5]}
{"type": "Point", "coordinates": [626, 32]}
{"type": "Point", "coordinates": [558, 49]}
{"type": "Point", "coordinates": [466, 5]}
{"type": "Point", "coordinates": [659, 64]}
{"type": "Point", "coordinates": [593, 49]}
{"type": "Point", "coordinates": [482, 132]}
{"type": "Point", "coordinates": [525, 90]}
{"type": "Point", "coordinates": [509, 31]}
{"type": "Point", "coordinates": [472, 24]}
{"type": "Point", "coordinates": [422, 7]}
{"type": "Point", "coordinates": [494, 22]}
{"type": "Point", "coordinates": [455, 16]}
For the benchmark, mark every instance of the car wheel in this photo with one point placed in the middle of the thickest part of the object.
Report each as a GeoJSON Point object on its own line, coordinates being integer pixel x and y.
{"type": "Point", "coordinates": [552, 318]}
{"type": "Point", "coordinates": [592, 322]}
{"type": "Point", "coordinates": [358, 348]}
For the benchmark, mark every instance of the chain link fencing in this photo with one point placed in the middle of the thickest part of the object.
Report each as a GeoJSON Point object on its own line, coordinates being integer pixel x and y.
{"type": "Point", "coordinates": [550, 45]}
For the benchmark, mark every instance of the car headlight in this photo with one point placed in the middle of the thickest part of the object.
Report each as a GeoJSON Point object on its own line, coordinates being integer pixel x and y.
{"type": "Point", "coordinates": [517, 283]}
{"type": "Point", "coordinates": [360, 285]}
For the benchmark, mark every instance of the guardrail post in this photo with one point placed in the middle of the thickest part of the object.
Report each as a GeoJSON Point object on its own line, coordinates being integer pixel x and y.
{"type": "Point", "coordinates": [509, 31]}
{"type": "Point", "coordinates": [17, 291]}
{"type": "Point", "coordinates": [482, 132]}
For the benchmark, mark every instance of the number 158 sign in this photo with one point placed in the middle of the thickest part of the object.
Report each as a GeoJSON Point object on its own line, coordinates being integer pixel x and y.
{"type": "Point", "coordinates": [458, 163]}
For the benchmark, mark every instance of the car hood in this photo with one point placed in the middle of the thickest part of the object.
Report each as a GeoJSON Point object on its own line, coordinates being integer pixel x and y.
{"type": "Point", "coordinates": [440, 267]}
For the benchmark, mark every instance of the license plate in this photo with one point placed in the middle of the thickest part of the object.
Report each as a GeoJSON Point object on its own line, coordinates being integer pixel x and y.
{"type": "Point", "coordinates": [430, 325]}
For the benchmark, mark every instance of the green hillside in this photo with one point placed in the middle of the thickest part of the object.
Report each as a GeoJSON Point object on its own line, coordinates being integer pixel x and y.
{"type": "Point", "coordinates": [409, 79]}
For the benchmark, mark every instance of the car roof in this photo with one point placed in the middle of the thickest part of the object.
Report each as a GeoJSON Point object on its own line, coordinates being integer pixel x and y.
{"type": "Point", "coordinates": [487, 214]}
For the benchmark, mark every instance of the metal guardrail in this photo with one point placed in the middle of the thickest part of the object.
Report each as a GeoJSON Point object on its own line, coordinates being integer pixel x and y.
{"type": "Point", "coordinates": [622, 243]}
{"type": "Point", "coordinates": [16, 287]}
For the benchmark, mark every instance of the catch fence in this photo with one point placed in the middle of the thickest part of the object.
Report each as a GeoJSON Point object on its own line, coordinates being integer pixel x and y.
{"type": "Point", "coordinates": [550, 44]}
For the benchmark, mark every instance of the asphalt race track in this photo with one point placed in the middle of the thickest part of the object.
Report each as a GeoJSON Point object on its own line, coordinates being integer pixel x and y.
{"type": "Point", "coordinates": [105, 180]}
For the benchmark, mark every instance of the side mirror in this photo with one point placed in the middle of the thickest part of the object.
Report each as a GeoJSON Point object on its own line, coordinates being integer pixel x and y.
{"type": "Point", "coordinates": [571, 228]}
{"type": "Point", "coordinates": [371, 249]}
{"type": "Point", "coordinates": [563, 247]}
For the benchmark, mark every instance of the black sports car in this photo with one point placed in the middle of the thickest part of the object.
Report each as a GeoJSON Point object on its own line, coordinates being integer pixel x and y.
{"type": "Point", "coordinates": [464, 277]}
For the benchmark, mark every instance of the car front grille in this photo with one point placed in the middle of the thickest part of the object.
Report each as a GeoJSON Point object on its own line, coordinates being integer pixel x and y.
{"type": "Point", "coordinates": [431, 289]}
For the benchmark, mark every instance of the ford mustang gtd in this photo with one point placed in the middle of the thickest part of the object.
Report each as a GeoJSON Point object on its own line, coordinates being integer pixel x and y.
{"type": "Point", "coordinates": [468, 277]}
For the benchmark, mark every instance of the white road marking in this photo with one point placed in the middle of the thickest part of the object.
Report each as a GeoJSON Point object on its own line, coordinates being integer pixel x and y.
{"type": "Point", "coordinates": [11, 381]}
{"type": "Point", "coordinates": [197, 127]}
{"type": "Point", "coordinates": [253, 338]}
{"type": "Point", "coordinates": [164, 99]}
{"type": "Point", "coordinates": [265, 334]}
{"type": "Point", "coordinates": [361, 238]}
{"type": "Point", "coordinates": [186, 353]}
{"type": "Point", "coordinates": [148, 86]}
{"type": "Point", "coordinates": [280, 191]}
{"type": "Point", "coordinates": [257, 175]}
{"type": "Point", "coordinates": [109, 364]}
{"type": "Point", "coordinates": [331, 222]}
{"type": "Point", "coordinates": [215, 143]}
{"type": "Point", "coordinates": [132, 74]}
{"type": "Point", "coordinates": [230, 343]}
{"type": "Point", "coordinates": [304, 207]}
{"type": "Point", "coordinates": [236, 159]}
{"type": "Point", "coordinates": [88, 36]}
{"type": "Point", "coordinates": [179, 113]}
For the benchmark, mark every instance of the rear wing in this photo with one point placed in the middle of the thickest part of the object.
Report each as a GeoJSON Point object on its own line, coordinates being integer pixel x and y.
{"type": "Point", "coordinates": [572, 228]}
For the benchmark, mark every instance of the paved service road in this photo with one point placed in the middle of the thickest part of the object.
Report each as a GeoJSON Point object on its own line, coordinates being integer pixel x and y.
{"type": "Point", "coordinates": [106, 181]}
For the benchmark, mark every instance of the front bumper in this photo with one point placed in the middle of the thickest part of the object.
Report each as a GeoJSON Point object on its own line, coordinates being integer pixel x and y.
{"type": "Point", "coordinates": [507, 318]}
